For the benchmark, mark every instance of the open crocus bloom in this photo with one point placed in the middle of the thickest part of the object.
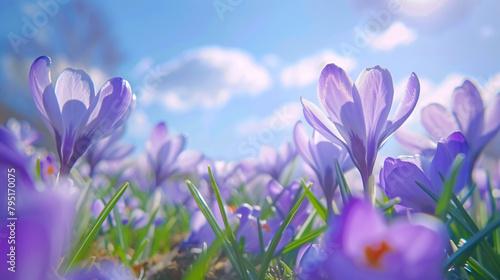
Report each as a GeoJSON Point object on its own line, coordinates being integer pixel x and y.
{"type": "Point", "coordinates": [399, 176]}
{"type": "Point", "coordinates": [72, 110]}
{"type": "Point", "coordinates": [360, 245]}
{"type": "Point", "coordinates": [478, 124]}
{"type": "Point", "coordinates": [357, 114]}
{"type": "Point", "coordinates": [166, 155]}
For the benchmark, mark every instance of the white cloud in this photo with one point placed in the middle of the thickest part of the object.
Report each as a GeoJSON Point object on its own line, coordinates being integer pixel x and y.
{"type": "Point", "coordinates": [307, 70]}
{"type": "Point", "coordinates": [204, 77]}
{"type": "Point", "coordinates": [397, 34]}
{"type": "Point", "coordinates": [282, 118]}
{"type": "Point", "coordinates": [139, 123]}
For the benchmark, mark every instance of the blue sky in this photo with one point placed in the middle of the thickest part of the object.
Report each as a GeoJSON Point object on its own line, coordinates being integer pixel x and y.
{"type": "Point", "coordinates": [231, 79]}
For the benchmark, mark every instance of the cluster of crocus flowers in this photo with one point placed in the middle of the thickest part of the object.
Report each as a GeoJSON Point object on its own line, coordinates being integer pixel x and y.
{"type": "Point", "coordinates": [72, 110]}
{"type": "Point", "coordinates": [361, 245]}
{"type": "Point", "coordinates": [271, 161]}
{"type": "Point", "coordinates": [357, 114]}
{"type": "Point", "coordinates": [478, 124]}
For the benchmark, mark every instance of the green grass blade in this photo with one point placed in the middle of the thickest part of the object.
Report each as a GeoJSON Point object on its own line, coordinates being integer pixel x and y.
{"type": "Point", "coordinates": [229, 231]}
{"type": "Point", "coordinates": [120, 232]}
{"type": "Point", "coordinates": [277, 237]}
{"type": "Point", "coordinates": [202, 264]}
{"type": "Point", "coordinates": [84, 245]}
{"type": "Point", "coordinates": [444, 200]}
{"type": "Point", "coordinates": [139, 250]}
{"type": "Point", "coordinates": [389, 204]}
{"type": "Point", "coordinates": [288, 273]}
{"type": "Point", "coordinates": [216, 228]}
{"type": "Point", "coordinates": [462, 254]}
{"type": "Point", "coordinates": [480, 270]}
{"type": "Point", "coordinates": [306, 238]}
{"type": "Point", "coordinates": [320, 208]}
{"type": "Point", "coordinates": [38, 169]}
{"type": "Point", "coordinates": [344, 188]}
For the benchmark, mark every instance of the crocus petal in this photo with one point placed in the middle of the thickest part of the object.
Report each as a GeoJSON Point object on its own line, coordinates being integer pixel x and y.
{"type": "Point", "coordinates": [415, 143]}
{"type": "Point", "coordinates": [468, 109]}
{"type": "Point", "coordinates": [110, 106]}
{"type": "Point", "coordinates": [408, 239]}
{"type": "Point", "coordinates": [437, 121]}
{"type": "Point", "coordinates": [302, 143]}
{"type": "Point", "coordinates": [399, 179]}
{"type": "Point", "coordinates": [159, 135]}
{"type": "Point", "coordinates": [187, 161]}
{"type": "Point", "coordinates": [320, 122]}
{"type": "Point", "coordinates": [346, 228]}
{"type": "Point", "coordinates": [335, 88]}
{"type": "Point", "coordinates": [404, 109]}
{"type": "Point", "coordinates": [491, 123]}
{"type": "Point", "coordinates": [446, 152]}
{"type": "Point", "coordinates": [43, 93]}
{"type": "Point", "coordinates": [376, 89]}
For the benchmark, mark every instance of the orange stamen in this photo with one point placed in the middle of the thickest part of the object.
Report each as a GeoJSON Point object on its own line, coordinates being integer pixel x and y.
{"type": "Point", "coordinates": [266, 227]}
{"type": "Point", "coordinates": [50, 169]}
{"type": "Point", "coordinates": [232, 208]}
{"type": "Point", "coordinates": [374, 256]}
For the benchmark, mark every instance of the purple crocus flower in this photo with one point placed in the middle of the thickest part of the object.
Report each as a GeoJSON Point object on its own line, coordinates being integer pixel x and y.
{"type": "Point", "coordinates": [48, 169]}
{"type": "Point", "coordinates": [399, 176]}
{"type": "Point", "coordinates": [360, 245]}
{"type": "Point", "coordinates": [319, 154]}
{"type": "Point", "coordinates": [97, 207]}
{"type": "Point", "coordinates": [284, 200]}
{"type": "Point", "coordinates": [37, 255]}
{"type": "Point", "coordinates": [357, 114]}
{"type": "Point", "coordinates": [478, 124]}
{"type": "Point", "coordinates": [200, 230]}
{"type": "Point", "coordinates": [23, 131]}
{"type": "Point", "coordinates": [13, 157]}
{"type": "Point", "coordinates": [249, 230]}
{"type": "Point", "coordinates": [108, 149]}
{"type": "Point", "coordinates": [75, 114]}
{"type": "Point", "coordinates": [271, 161]}
{"type": "Point", "coordinates": [166, 156]}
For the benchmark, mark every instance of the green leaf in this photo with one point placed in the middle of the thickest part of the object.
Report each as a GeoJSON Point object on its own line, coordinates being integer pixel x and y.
{"type": "Point", "coordinates": [287, 271]}
{"type": "Point", "coordinates": [389, 204]}
{"type": "Point", "coordinates": [306, 238]}
{"type": "Point", "coordinates": [217, 229]}
{"type": "Point", "coordinates": [84, 244]}
{"type": "Point", "coordinates": [119, 229]}
{"type": "Point", "coordinates": [344, 188]}
{"type": "Point", "coordinates": [139, 250]}
{"type": "Point", "coordinates": [463, 254]}
{"type": "Point", "coordinates": [320, 208]}
{"type": "Point", "coordinates": [444, 200]}
{"type": "Point", "coordinates": [121, 253]}
{"type": "Point", "coordinates": [229, 231]}
{"type": "Point", "coordinates": [202, 264]}
{"type": "Point", "coordinates": [277, 237]}
{"type": "Point", "coordinates": [38, 169]}
{"type": "Point", "coordinates": [480, 270]}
